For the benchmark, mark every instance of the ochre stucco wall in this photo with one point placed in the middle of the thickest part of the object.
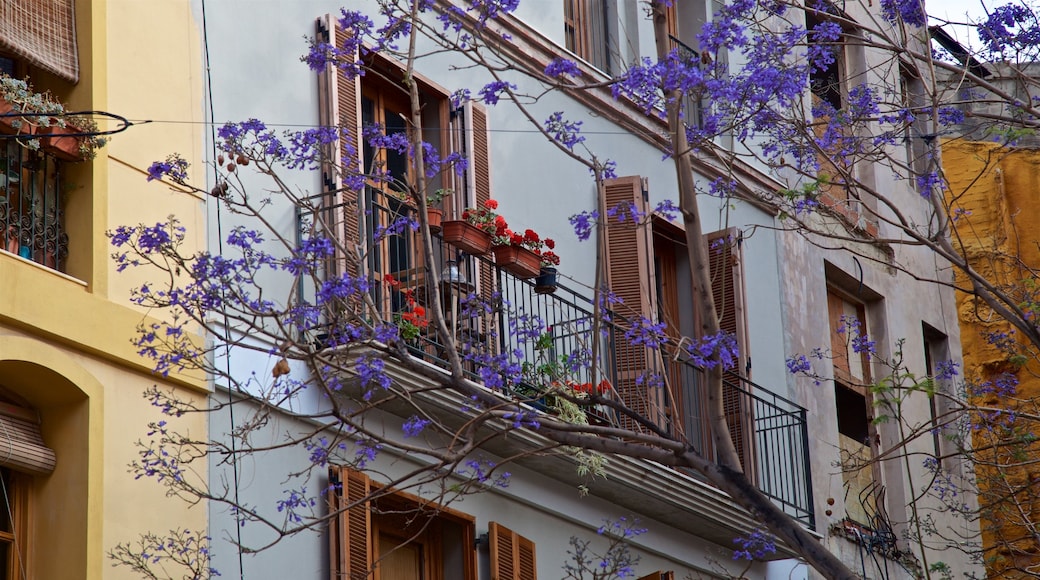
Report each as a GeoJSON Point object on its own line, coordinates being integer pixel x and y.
{"type": "Point", "coordinates": [993, 194]}
{"type": "Point", "coordinates": [65, 339]}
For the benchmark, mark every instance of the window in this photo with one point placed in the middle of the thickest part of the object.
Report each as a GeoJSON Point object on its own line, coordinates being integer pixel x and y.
{"type": "Point", "coordinates": [31, 206]}
{"type": "Point", "coordinates": [936, 351]}
{"type": "Point", "coordinates": [14, 523]}
{"type": "Point", "coordinates": [649, 270]}
{"type": "Point", "coordinates": [585, 31]}
{"type": "Point", "coordinates": [25, 456]}
{"type": "Point", "coordinates": [397, 536]}
{"type": "Point", "coordinates": [827, 84]}
{"type": "Point", "coordinates": [856, 433]}
{"type": "Point", "coordinates": [358, 218]}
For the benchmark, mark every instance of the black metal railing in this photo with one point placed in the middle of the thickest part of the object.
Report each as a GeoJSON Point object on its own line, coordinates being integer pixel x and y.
{"type": "Point", "coordinates": [483, 305]}
{"type": "Point", "coordinates": [31, 210]}
{"type": "Point", "coordinates": [692, 106]}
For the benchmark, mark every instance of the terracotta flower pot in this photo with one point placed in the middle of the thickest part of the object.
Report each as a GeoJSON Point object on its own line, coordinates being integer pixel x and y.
{"type": "Point", "coordinates": [7, 123]}
{"type": "Point", "coordinates": [435, 217]}
{"type": "Point", "coordinates": [545, 283]}
{"type": "Point", "coordinates": [466, 237]}
{"type": "Point", "coordinates": [518, 261]}
{"type": "Point", "coordinates": [58, 143]}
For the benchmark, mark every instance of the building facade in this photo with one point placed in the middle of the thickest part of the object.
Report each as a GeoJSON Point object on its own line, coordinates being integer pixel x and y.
{"type": "Point", "coordinates": [71, 382]}
{"type": "Point", "coordinates": [811, 443]}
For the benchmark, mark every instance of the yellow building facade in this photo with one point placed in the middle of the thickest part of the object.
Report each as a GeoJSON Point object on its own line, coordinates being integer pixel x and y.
{"type": "Point", "coordinates": [993, 192]}
{"type": "Point", "coordinates": [71, 382]}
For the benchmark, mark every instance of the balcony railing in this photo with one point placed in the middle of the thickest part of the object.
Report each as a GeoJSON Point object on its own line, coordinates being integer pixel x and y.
{"type": "Point", "coordinates": [692, 106]}
{"type": "Point", "coordinates": [484, 305]}
{"type": "Point", "coordinates": [31, 211]}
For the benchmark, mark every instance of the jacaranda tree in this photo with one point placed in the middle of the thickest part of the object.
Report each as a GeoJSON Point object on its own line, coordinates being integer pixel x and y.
{"type": "Point", "coordinates": [766, 100]}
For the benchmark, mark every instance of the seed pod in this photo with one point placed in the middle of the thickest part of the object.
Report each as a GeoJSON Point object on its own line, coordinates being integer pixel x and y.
{"type": "Point", "coordinates": [231, 166]}
{"type": "Point", "coordinates": [242, 160]}
{"type": "Point", "coordinates": [220, 159]}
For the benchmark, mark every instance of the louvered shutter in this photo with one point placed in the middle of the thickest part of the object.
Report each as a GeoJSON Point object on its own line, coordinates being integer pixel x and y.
{"type": "Point", "coordinates": [725, 262]}
{"type": "Point", "coordinates": [478, 177]}
{"type": "Point", "coordinates": [350, 537]}
{"type": "Point", "coordinates": [339, 105]}
{"type": "Point", "coordinates": [512, 555]}
{"type": "Point", "coordinates": [630, 277]}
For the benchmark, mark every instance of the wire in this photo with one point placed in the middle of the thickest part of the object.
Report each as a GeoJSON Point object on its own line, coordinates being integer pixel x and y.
{"type": "Point", "coordinates": [227, 329]}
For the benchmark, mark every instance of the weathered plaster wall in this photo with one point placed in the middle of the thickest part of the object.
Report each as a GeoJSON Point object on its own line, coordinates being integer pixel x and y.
{"type": "Point", "coordinates": [994, 192]}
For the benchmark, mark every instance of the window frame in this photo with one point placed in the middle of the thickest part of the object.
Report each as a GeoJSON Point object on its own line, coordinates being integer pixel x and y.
{"type": "Point", "coordinates": [349, 486]}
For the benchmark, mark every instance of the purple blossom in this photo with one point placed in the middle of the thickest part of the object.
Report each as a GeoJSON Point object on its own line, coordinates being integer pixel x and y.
{"type": "Point", "coordinates": [713, 350]}
{"type": "Point", "coordinates": [491, 92]}
{"type": "Point", "coordinates": [583, 223]}
{"type": "Point", "coordinates": [562, 66]}
{"type": "Point", "coordinates": [799, 364]}
{"type": "Point", "coordinates": [414, 426]}
{"type": "Point", "coordinates": [175, 167]}
{"type": "Point", "coordinates": [909, 11]}
{"type": "Point", "coordinates": [567, 133]}
{"type": "Point", "coordinates": [755, 546]}
{"type": "Point", "coordinates": [644, 331]}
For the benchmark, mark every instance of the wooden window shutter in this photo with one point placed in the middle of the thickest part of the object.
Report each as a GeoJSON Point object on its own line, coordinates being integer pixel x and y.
{"type": "Point", "coordinates": [512, 555]}
{"type": "Point", "coordinates": [339, 106]}
{"type": "Point", "coordinates": [42, 32]}
{"type": "Point", "coordinates": [630, 277]}
{"type": "Point", "coordinates": [659, 575]}
{"type": "Point", "coordinates": [474, 188]}
{"type": "Point", "coordinates": [350, 531]}
{"type": "Point", "coordinates": [725, 262]}
{"type": "Point", "coordinates": [21, 442]}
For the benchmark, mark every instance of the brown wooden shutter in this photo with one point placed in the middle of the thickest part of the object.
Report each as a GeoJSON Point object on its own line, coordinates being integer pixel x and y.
{"type": "Point", "coordinates": [42, 32]}
{"type": "Point", "coordinates": [480, 168]}
{"type": "Point", "coordinates": [339, 105]}
{"type": "Point", "coordinates": [630, 277]}
{"type": "Point", "coordinates": [21, 442]}
{"type": "Point", "coordinates": [512, 555]}
{"type": "Point", "coordinates": [725, 262]}
{"type": "Point", "coordinates": [350, 531]}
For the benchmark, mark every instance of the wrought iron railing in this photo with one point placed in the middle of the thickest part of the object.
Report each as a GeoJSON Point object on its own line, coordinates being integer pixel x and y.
{"type": "Point", "coordinates": [31, 209]}
{"type": "Point", "coordinates": [692, 107]}
{"type": "Point", "coordinates": [482, 301]}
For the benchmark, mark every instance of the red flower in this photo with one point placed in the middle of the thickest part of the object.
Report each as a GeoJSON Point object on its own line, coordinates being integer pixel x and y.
{"type": "Point", "coordinates": [530, 236]}
{"type": "Point", "coordinates": [465, 215]}
{"type": "Point", "coordinates": [491, 204]}
{"type": "Point", "coordinates": [516, 239]}
{"type": "Point", "coordinates": [391, 281]}
{"type": "Point", "coordinates": [603, 386]}
{"type": "Point", "coordinates": [549, 243]}
{"type": "Point", "coordinates": [500, 221]}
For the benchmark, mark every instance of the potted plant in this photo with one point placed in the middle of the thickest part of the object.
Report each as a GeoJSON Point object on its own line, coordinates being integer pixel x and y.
{"type": "Point", "coordinates": [545, 283]}
{"type": "Point", "coordinates": [39, 115]}
{"type": "Point", "coordinates": [435, 215]}
{"type": "Point", "coordinates": [472, 234]}
{"type": "Point", "coordinates": [518, 254]}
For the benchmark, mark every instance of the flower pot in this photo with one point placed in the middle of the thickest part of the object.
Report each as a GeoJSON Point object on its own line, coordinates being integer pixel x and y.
{"type": "Point", "coordinates": [7, 124]}
{"type": "Point", "coordinates": [56, 141]}
{"type": "Point", "coordinates": [466, 237]}
{"type": "Point", "coordinates": [520, 262]}
{"type": "Point", "coordinates": [434, 217]}
{"type": "Point", "coordinates": [545, 283]}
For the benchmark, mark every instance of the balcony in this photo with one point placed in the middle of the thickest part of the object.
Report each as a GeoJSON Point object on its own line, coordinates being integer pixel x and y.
{"type": "Point", "coordinates": [482, 301]}
{"type": "Point", "coordinates": [31, 209]}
